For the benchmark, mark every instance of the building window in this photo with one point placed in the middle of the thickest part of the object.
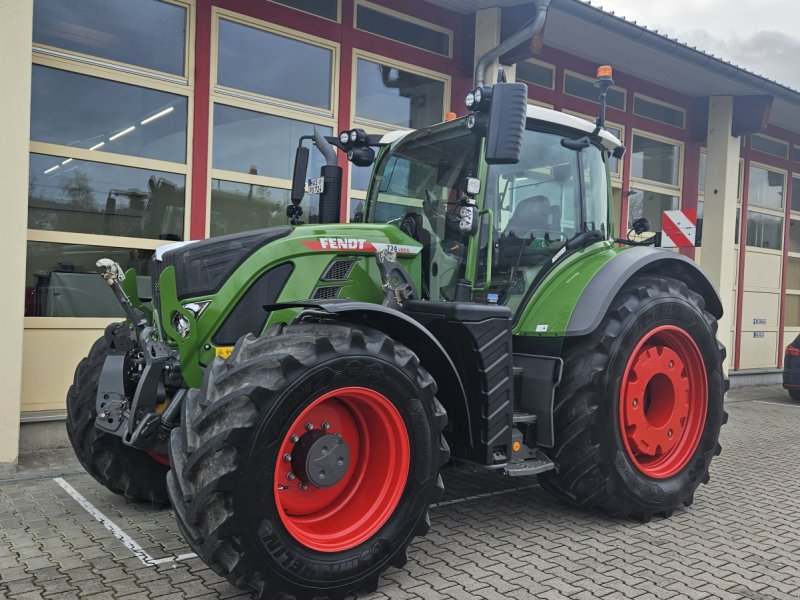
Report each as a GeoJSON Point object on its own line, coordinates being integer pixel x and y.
{"type": "Point", "coordinates": [144, 33]}
{"type": "Point", "coordinates": [99, 115]}
{"type": "Point", "coordinates": [254, 135]}
{"type": "Point", "coordinates": [655, 178]}
{"type": "Point", "coordinates": [327, 9]}
{"type": "Point", "coordinates": [656, 160]}
{"type": "Point", "coordinates": [796, 153]}
{"type": "Point", "coordinates": [267, 63]}
{"type": "Point", "coordinates": [659, 111]}
{"type": "Point", "coordinates": [795, 205]}
{"type": "Point", "coordinates": [536, 73]}
{"type": "Point", "coordinates": [769, 145]}
{"type": "Point", "coordinates": [402, 28]}
{"type": "Point", "coordinates": [583, 87]}
{"type": "Point", "coordinates": [108, 169]}
{"type": "Point", "coordinates": [392, 95]}
{"type": "Point", "coordinates": [766, 189]}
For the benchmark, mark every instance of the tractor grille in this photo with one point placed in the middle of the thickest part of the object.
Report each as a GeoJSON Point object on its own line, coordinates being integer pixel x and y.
{"type": "Point", "coordinates": [338, 270]}
{"type": "Point", "coordinates": [326, 293]}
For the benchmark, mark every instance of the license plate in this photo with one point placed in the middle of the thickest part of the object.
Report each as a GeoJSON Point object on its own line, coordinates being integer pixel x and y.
{"type": "Point", "coordinates": [315, 185]}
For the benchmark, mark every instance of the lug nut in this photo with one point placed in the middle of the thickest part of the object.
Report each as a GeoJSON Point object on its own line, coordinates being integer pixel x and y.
{"type": "Point", "coordinates": [103, 415]}
{"type": "Point", "coordinates": [309, 426]}
{"type": "Point", "coordinates": [635, 403]}
{"type": "Point", "coordinates": [287, 457]}
{"type": "Point", "coordinates": [303, 487]}
{"type": "Point", "coordinates": [291, 476]}
{"type": "Point", "coordinates": [325, 426]}
{"type": "Point", "coordinates": [295, 438]}
{"type": "Point", "coordinates": [669, 433]}
{"type": "Point", "coordinates": [671, 364]}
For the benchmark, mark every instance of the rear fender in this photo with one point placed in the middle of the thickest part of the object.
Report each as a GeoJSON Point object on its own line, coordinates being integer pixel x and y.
{"type": "Point", "coordinates": [596, 298]}
{"type": "Point", "coordinates": [402, 328]}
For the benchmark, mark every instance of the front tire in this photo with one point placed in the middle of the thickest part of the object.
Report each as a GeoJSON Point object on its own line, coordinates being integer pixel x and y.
{"type": "Point", "coordinates": [306, 464]}
{"type": "Point", "coordinates": [126, 471]}
{"type": "Point", "coordinates": [639, 411]}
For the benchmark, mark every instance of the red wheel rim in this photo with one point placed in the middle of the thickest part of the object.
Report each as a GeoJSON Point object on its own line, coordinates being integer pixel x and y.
{"type": "Point", "coordinates": [663, 402]}
{"type": "Point", "coordinates": [342, 516]}
{"type": "Point", "coordinates": [159, 458]}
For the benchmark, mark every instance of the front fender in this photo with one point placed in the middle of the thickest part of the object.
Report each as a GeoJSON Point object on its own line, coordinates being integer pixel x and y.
{"type": "Point", "coordinates": [612, 276]}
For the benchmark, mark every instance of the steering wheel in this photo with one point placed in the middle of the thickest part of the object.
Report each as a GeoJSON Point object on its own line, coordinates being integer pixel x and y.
{"type": "Point", "coordinates": [410, 224]}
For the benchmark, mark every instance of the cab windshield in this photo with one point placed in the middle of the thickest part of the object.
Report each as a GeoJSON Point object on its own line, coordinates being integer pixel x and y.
{"type": "Point", "coordinates": [417, 186]}
{"type": "Point", "coordinates": [553, 194]}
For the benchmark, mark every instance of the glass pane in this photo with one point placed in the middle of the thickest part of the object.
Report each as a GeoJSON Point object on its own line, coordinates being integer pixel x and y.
{"type": "Point", "coordinates": [359, 177]}
{"type": "Point", "coordinates": [145, 33]}
{"type": "Point", "coordinates": [615, 164]}
{"type": "Point", "coordinates": [266, 63]}
{"type": "Point", "coordinates": [765, 188]}
{"type": "Point", "coordinates": [357, 210]}
{"type": "Point", "coordinates": [792, 311]}
{"type": "Point", "coordinates": [239, 207]}
{"type": "Point", "coordinates": [535, 73]}
{"type": "Point", "coordinates": [391, 95]}
{"type": "Point", "coordinates": [793, 274]}
{"type": "Point", "coordinates": [658, 112]}
{"type": "Point", "coordinates": [738, 227]}
{"type": "Point", "coordinates": [403, 31]}
{"type": "Point", "coordinates": [650, 205]}
{"type": "Point", "coordinates": [582, 88]}
{"type": "Point", "coordinates": [700, 208]}
{"type": "Point", "coordinates": [260, 144]}
{"type": "Point", "coordinates": [655, 160]}
{"type": "Point", "coordinates": [764, 231]}
{"type": "Point", "coordinates": [88, 197]}
{"type": "Point", "coordinates": [323, 8]}
{"type": "Point", "coordinates": [794, 236]}
{"type": "Point", "coordinates": [769, 146]}
{"type": "Point", "coordinates": [107, 116]}
{"type": "Point", "coordinates": [796, 194]}
{"type": "Point", "coordinates": [796, 153]}
{"type": "Point", "coordinates": [61, 280]}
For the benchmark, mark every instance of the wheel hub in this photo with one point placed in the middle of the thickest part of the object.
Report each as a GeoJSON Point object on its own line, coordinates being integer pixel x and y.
{"type": "Point", "coordinates": [658, 401]}
{"type": "Point", "coordinates": [321, 458]}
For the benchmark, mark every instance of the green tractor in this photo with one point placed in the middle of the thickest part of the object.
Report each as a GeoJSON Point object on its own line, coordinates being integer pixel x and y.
{"type": "Point", "coordinates": [293, 392]}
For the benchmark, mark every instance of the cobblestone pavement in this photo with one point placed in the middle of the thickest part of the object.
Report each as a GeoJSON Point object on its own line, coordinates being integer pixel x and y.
{"type": "Point", "coordinates": [740, 539]}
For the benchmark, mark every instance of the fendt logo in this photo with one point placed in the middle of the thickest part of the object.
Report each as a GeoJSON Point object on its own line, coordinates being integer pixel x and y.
{"type": "Point", "coordinates": [358, 245]}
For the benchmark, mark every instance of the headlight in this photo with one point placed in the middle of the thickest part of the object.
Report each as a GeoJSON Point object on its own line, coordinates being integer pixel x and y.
{"type": "Point", "coordinates": [181, 324]}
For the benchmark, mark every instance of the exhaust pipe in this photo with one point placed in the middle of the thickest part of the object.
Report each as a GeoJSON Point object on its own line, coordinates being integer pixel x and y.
{"type": "Point", "coordinates": [528, 31]}
{"type": "Point", "coordinates": [330, 198]}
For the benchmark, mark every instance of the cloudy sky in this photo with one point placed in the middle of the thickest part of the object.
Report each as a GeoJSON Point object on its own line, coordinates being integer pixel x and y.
{"type": "Point", "coordinates": [763, 36]}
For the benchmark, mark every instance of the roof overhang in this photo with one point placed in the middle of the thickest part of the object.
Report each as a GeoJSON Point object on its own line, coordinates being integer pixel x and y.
{"type": "Point", "coordinates": [583, 30]}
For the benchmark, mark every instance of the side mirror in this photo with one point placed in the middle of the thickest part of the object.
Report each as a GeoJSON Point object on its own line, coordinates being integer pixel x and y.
{"type": "Point", "coordinates": [299, 174]}
{"type": "Point", "coordinates": [506, 123]}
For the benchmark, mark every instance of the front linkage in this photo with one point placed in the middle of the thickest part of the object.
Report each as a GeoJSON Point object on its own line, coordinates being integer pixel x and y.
{"type": "Point", "coordinates": [142, 366]}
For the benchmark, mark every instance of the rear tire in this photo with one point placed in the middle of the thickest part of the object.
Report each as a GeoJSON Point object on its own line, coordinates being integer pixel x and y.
{"type": "Point", "coordinates": [638, 414]}
{"type": "Point", "coordinates": [126, 471]}
{"type": "Point", "coordinates": [794, 395]}
{"type": "Point", "coordinates": [252, 522]}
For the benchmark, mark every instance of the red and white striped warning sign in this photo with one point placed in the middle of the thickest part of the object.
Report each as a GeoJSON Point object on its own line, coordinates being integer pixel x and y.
{"type": "Point", "coordinates": [678, 228]}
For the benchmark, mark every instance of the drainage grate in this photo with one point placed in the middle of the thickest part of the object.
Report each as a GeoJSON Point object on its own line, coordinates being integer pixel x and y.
{"type": "Point", "coordinates": [326, 293]}
{"type": "Point", "coordinates": [338, 270]}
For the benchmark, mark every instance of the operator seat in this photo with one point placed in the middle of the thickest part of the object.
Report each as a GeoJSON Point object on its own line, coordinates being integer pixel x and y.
{"type": "Point", "coordinates": [531, 218]}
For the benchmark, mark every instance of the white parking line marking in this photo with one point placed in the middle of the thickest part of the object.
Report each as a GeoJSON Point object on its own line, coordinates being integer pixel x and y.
{"type": "Point", "coordinates": [486, 495]}
{"type": "Point", "coordinates": [117, 531]}
{"type": "Point", "coordinates": [778, 403]}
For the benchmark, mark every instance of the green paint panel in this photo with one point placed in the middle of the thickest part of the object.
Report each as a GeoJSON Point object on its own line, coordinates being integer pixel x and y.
{"type": "Point", "coordinates": [555, 299]}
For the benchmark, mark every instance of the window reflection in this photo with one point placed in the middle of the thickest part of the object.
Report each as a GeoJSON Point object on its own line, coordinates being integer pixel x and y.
{"type": "Point", "coordinates": [273, 65]}
{"type": "Point", "coordinates": [66, 194]}
{"type": "Point", "coordinates": [391, 95]}
{"type": "Point", "coordinates": [242, 207]}
{"type": "Point", "coordinates": [106, 116]}
{"type": "Point", "coordinates": [260, 144]}
{"type": "Point", "coordinates": [62, 279]}
{"type": "Point", "coordinates": [145, 33]}
{"type": "Point", "coordinates": [648, 204]}
{"type": "Point", "coordinates": [765, 188]}
{"type": "Point", "coordinates": [764, 231]}
{"type": "Point", "coordinates": [655, 160]}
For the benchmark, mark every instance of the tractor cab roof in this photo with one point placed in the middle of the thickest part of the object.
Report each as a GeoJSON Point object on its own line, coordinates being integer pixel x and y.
{"type": "Point", "coordinates": [539, 113]}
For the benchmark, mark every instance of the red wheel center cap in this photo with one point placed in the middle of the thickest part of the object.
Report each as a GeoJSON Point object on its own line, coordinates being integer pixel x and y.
{"type": "Point", "coordinates": [657, 400]}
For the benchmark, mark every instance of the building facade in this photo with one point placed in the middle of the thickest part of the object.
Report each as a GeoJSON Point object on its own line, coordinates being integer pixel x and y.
{"type": "Point", "coordinates": [141, 122]}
